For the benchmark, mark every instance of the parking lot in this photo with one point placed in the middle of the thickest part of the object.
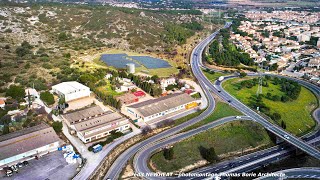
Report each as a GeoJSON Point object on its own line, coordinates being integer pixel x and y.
{"type": "Point", "coordinates": [50, 166]}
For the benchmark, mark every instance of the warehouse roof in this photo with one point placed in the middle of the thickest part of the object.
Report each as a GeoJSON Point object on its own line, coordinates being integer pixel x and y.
{"type": "Point", "coordinates": [70, 87]}
{"type": "Point", "coordinates": [161, 104]}
{"type": "Point", "coordinates": [83, 114]}
{"type": "Point", "coordinates": [111, 119]}
{"type": "Point", "coordinates": [26, 140]}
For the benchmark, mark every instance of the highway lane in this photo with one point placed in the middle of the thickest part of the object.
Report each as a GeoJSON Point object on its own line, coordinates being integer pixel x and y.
{"type": "Point", "coordinates": [306, 173]}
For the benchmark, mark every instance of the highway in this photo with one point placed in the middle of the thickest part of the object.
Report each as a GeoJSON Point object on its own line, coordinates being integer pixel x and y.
{"type": "Point", "coordinates": [305, 173]}
{"type": "Point", "coordinates": [147, 147]}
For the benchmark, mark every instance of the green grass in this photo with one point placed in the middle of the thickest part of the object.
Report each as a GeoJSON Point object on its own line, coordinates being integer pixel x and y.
{"type": "Point", "coordinates": [213, 77]}
{"type": "Point", "coordinates": [107, 89]}
{"type": "Point", "coordinates": [230, 137]}
{"type": "Point", "coordinates": [221, 110]}
{"type": "Point", "coordinates": [296, 114]}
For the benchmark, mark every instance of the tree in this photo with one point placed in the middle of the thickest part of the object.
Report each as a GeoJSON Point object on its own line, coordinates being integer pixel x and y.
{"type": "Point", "coordinates": [16, 92]}
{"type": "Point", "coordinates": [47, 97]}
{"type": "Point", "coordinates": [146, 130]}
{"type": "Point", "coordinates": [57, 126]}
{"type": "Point", "coordinates": [168, 153]}
{"type": "Point", "coordinates": [276, 116]}
{"type": "Point", "coordinates": [6, 129]}
{"type": "Point", "coordinates": [283, 125]}
{"type": "Point", "coordinates": [211, 155]}
{"type": "Point", "coordinates": [242, 74]}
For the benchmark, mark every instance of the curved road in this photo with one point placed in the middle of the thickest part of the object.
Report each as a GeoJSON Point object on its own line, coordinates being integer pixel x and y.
{"type": "Point", "coordinates": [120, 162]}
{"type": "Point", "coordinates": [141, 159]}
{"type": "Point", "coordinates": [148, 146]}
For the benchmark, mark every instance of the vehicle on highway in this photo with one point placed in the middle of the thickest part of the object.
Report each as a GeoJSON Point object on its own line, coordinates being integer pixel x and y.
{"type": "Point", "coordinates": [238, 117]}
{"type": "Point", "coordinates": [221, 78]}
{"type": "Point", "coordinates": [229, 101]}
{"type": "Point", "coordinates": [219, 91]}
{"type": "Point", "coordinates": [286, 136]}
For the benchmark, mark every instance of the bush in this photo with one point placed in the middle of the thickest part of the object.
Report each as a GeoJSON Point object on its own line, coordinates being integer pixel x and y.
{"type": "Point", "coordinates": [168, 153]}
{"type": "Point", "coordinates": [16, 92]}
{"type": "Point", "coordinates": [47, 97]}
{"type": "Point", "coordinates": [57, 126]}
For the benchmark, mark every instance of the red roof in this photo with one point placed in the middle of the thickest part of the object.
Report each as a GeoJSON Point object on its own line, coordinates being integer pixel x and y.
{"type": "Point", "coordinates": [139, 93]}
{"type": "Point", "coordinates": [2, 102]}
{"type": "Point", "coordinates": [188, 91]}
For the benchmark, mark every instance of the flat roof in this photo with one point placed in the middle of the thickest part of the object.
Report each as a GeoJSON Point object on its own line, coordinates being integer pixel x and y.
{"type": "Point", "coordinates": [70, 87]}
{"type": "Point", "coordinates": [99, 121]}
{"type": "Point", "coordinates": [161, 104]}
{"type": "Point", "coordinates": [25, 140]}
{"type": "Point", "coordinates": [83, 114]}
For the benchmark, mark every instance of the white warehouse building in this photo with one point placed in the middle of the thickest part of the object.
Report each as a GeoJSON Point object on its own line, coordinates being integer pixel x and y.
{"type": "Point", "coordinates": [71, 90]}
{"type": "Point", "coordinates": [27, 144]}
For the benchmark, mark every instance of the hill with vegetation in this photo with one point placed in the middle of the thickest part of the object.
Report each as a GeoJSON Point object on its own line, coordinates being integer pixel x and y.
{"type": "Point", "coordinates": [40, 43]}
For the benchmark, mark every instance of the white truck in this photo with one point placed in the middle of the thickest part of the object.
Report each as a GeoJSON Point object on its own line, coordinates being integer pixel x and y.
{"type": "Point", "coordinates": [221, 78]}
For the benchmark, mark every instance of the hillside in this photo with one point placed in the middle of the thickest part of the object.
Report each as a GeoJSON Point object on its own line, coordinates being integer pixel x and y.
{"type": "Point", "coordinates": [39, 43]}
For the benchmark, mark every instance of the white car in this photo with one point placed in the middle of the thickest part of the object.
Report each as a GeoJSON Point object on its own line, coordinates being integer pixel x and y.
{"type": "Point", "coordinates": [238, 117]}
{"type": "Point", "coordinates": [286, 136]}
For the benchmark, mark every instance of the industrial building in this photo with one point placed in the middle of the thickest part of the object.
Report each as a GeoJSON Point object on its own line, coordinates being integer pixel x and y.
{"type": "Point", "coordinates": [27, 144]}
{"type": "Point", "coordinates": [71, 90]}
{"type": "Point", "coordinates": [155, 108]}
{"type": "Point", "coordinates": [93, 123]}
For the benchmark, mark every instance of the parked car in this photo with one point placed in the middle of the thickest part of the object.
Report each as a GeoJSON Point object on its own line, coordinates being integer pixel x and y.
{"type": "Point", "coordinates": [25, 163]}
{"type": "Point", "coordinates": [20, 165]}
{"type": "Point", "coordinates": [8, 171]}
{"type": "Point", "coordinates": [14, 168]}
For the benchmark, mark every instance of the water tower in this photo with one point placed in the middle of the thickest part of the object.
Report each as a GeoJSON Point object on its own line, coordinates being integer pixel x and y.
{"type": "Point", "coordinates": [131, 68]}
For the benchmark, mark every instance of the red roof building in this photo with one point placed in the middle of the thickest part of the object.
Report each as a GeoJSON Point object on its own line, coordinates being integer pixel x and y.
{"type": "Point", "coordinates": [139, 94]}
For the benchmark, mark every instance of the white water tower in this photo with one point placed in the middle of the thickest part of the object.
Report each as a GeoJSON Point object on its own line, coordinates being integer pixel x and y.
{"type": "Point", "coordinates": [131, 68]}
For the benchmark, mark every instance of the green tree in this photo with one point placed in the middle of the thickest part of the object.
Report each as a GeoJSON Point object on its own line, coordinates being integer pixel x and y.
{"type": "Point", "coordinates": [283, 125]}
{"type": "Point", "coordinates": [211, 155]}
{"type": "Point", "coordinates": [242, 74]}
{"type": "Point", "coordinates": [57, 126]}
{"type": "Point", "coordinates": [6, 129]}
{"type": "Point", "coordinates": [47, 97]}
{"type": "Point", "coordinates": [16, 92]}
{"type": "Point", "coordinates": [168, 153]}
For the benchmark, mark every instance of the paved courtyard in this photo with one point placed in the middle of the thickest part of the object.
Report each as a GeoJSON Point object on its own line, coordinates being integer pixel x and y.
{"type": "Point", "coordinates": [51, 166]}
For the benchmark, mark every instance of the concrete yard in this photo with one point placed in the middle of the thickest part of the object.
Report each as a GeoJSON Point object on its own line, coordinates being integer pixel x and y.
{"type": "Point", "coordinates": [51, 166]}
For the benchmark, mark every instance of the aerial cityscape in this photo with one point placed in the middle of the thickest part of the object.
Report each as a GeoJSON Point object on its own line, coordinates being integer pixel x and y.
{"type": "Point", "coordinates": [159, 89]}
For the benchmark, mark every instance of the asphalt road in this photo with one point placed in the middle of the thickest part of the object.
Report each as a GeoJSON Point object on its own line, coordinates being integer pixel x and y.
{"type": "Point", "coordinates": [147, 147]}
{"type": "Point", "coordinates": [306, 173]}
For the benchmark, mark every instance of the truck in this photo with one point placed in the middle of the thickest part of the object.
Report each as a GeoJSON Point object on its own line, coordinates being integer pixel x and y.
{"type": "Point", "coordinates": [97, 148]}
{"type": "Point", "coordinates": [221, 78]}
